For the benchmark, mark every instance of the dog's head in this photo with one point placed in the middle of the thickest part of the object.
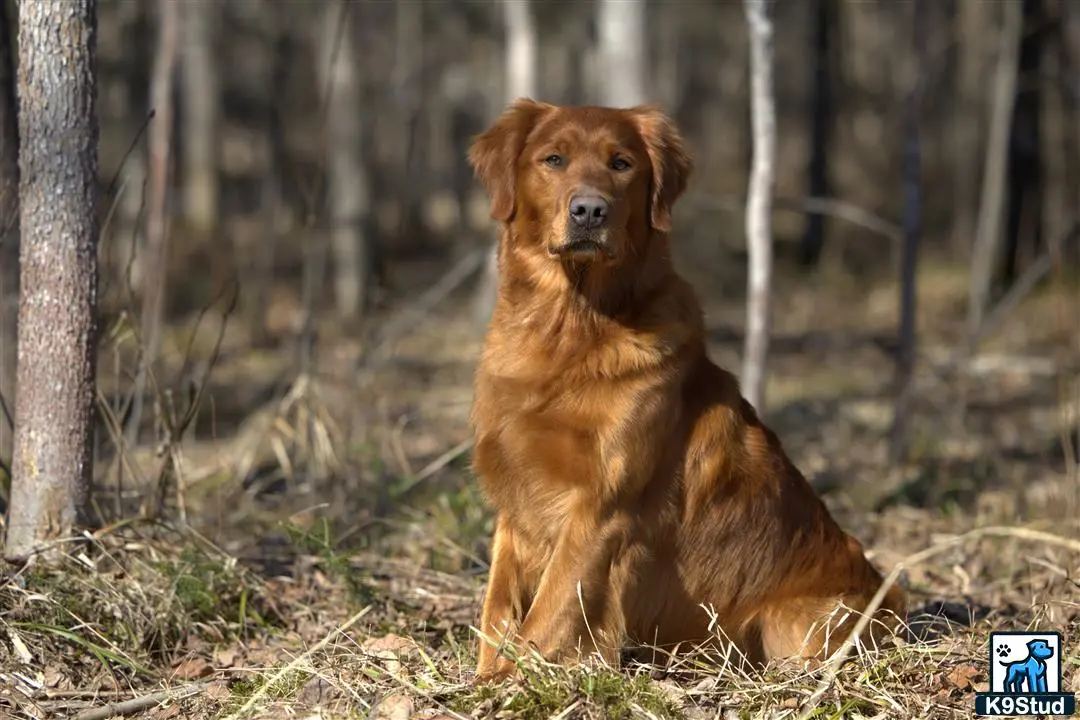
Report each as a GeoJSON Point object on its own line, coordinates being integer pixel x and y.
{"type": "Point", "coordinates": [1040, 649]}
{"type": "Point", "coordinates": [590, 184]}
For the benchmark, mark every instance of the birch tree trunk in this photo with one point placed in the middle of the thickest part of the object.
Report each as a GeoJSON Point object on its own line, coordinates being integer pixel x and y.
{"type": "Point", "coordinates": [759, 202]}
{"type": "Point", "coordinates": [521, 60]}
{"type": "Point", "coordinates": [623, 49]}
{"type": "Point", "coordinates": [992, 203]}
{"type": "Point", "coordinates": [54, 401]}
{"type": "Point", "coordinates": [199, 113]}
{"type": "Point", "coordinates": [9, 237]}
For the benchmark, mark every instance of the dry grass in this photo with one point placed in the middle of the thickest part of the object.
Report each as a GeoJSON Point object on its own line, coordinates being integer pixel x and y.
{"type": "Point", "coordinates": [128, 615]}
{"type": "Point", "coordinates": [349, 544]}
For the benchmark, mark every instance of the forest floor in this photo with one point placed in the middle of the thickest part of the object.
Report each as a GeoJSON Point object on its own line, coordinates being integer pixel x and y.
{"type": "Point", "coordinates": [335, 546]}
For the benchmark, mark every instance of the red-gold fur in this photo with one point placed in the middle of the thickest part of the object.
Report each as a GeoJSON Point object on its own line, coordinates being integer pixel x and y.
{"type": "Point", "coordinates": [632, 482]}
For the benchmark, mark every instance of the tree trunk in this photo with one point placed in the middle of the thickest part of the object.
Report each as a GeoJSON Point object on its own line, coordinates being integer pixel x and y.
{"type": "Point", "coordinates": [968, 123]}
{"type": "Point", "coordinates": [913, 216]}
{"type": "Point", "coordinates": [124, 254]}
{"type": "Point", "coordinates": [623, 48]}
{"type": "Point", "coordinates": [54, 402]}
{"type": "Point", "coordinates": [157, 211]}
{"type": "Point", "coordinates": [759, 202]}
{"type": "Point", "coordinates": [347, 182]}
{"type": "Point", "coordinates": [821, 123]}
{"type": "Point", "coordinates": [9, 236]}
{"type": "Point", "coordinates": [199, 108]}
{"type": "Point", "coordinates": [521, 61]}
{"type": "Point", "coordinates": [1054, 134]}
{"type": "Point", "coordinates": [256, 292]}
{"type": "Point", "coordinates": [992, 203]}
{"type": "Point", "coordinates": [1024, 206]}
{"type": "Point", "coordinates": [520, 49]}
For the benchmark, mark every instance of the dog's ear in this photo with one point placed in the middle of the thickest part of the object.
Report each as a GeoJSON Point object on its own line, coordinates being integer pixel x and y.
{"type": "Point", "coordinates": [494, 153]}
{"type": "Point", "coordinates": [671, 163]}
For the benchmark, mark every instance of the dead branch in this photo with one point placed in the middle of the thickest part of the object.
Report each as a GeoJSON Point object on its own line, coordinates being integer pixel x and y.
{"type": "Point", "coordinates": [134, 705]}
{"type": "Point", "coordinates": [411, 315]}
{"type": "Point", "coordinates": [831, 207]}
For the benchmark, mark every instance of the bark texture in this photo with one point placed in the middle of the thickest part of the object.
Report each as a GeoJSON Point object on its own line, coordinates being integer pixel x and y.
{"type": "Point", "coordinates": [9, 235]}
{"type": "Point", "coordinates": [58, 128]}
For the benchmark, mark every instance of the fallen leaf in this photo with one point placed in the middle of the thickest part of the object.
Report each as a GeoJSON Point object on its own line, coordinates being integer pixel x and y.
{"type": "Point", "coordinates": [217, 691]}
{"type": "Point", "coordinates": [21, 651]}
{"type": "Point", "coordinates": [962, 677]}
{"type": "Point", "coordinates": [225, 657]}
{"type": "Point", "coordinates": [191, 668]}
{"type": "Point", "coordinates": [394, 707]}
{"type": "Point", "coordinates": [56, 677]}
{"type": "Point", "coordinates": [314, 693]}
{"type": "Point", "coordinates": [390, 649]}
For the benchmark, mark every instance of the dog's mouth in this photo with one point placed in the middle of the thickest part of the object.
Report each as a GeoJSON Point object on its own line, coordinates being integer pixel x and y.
{"type": "Point", "coordinates": [581, 248]}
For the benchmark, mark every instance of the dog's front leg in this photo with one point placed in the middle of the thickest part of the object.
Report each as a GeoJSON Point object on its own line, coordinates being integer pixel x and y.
{"type": "Point", "coordinates": [576, 605]}
{"type": "Point", "coordinates": [503, 602]}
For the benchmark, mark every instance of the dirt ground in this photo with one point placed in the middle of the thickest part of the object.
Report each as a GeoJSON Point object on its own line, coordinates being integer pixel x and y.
{"type": "Point", "coordinates": [335, 545]}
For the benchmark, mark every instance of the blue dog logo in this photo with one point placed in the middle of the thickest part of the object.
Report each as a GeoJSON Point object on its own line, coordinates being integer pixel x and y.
{"type": "Point", "coordinates": [1030, 671]}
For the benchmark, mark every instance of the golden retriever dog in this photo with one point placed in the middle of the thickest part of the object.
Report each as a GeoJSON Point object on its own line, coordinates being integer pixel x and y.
{"type": "Point", "coordinates": [633, 484]}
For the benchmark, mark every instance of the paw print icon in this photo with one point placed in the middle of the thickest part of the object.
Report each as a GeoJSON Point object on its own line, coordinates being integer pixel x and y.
{"type": "Point", "coordinates": [1003, 651]}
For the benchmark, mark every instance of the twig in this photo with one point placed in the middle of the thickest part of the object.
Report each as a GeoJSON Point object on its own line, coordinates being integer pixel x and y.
{"type": "Point", "coordinates": [831, 207]}
{"type": "Point", "coordinates": [134, 705]}
{"type": "Point", "coordinates": [923, 555]}
{"type": "Point", "coordinates": [437, 464]}
{"type": "Point", "coordinates": [265, 687]}
{"type": "Point", "coordinates": [413, 314]}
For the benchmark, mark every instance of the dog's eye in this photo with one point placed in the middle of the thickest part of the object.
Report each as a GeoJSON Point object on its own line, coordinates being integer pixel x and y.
{"type": "Point", "coordinates": [619, 164]}
{"type": "Point", "coordinates": [553, 161]}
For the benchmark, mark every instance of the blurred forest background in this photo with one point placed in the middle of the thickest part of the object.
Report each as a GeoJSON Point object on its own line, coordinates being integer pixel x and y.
{"type": "Point", "coordinates": [295, 280]}
{"type": "Point", "coordinates": [294, 246]}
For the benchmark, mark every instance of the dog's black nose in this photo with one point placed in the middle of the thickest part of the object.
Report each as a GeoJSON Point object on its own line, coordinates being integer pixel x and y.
{"type": "Point", "coordinates": [588, 211]}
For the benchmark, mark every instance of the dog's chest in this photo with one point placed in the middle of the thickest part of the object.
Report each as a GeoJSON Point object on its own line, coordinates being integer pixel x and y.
{"type": "Point", "coordinates": [531, 457]}
{"type": "Point", "coordinates": [540, 448]}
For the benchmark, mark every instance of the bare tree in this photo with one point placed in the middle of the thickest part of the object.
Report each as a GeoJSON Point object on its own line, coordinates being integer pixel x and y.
{"type": "Point", "coordinates": [157, 215]}
{"type": "Point", "coordinates": [759, 201]}
{"type": "Point", "coordinates": [54, 402]}
{"type": "Point", "coordinates": [623, 43]}
{"type": "Point", "coordinates": [9, 236]}
{"type": "Point", "coordinates": [1055, 141]}
{"type": "Point", "coordinates": [913, 211]}
{"type": "Point", "coordinates": [520, 49]}
{"type": "Point", "coordinates": [347, 182]}
{"type": "Point", "coordinates": [974, 50]}
{"type": "Point", "coordinates": [821, 124]}
{"type": "Point", "coordinates": [991, 204]}
{"type": "Point", "coordinates": [126, 235]}
{"type": "Point", "coordinates": [521, 61]}
{"type": "Point", "coordinates": [199, 114]}
{"type": "Point", "coordinates": [255, 285]}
